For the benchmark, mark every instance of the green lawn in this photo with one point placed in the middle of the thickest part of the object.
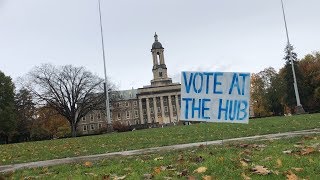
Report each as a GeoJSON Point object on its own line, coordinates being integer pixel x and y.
{"type": "Point", "coordinates": [296, 157]}
{"type": "Point", "coordinates": [52, 149]}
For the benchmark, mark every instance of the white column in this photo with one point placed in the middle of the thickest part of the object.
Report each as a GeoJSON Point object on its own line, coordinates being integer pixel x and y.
{"type": "Point", "coordinates": [162, 58]}
{"type": "Point", "coordinates": [177, 107]}
{"type": "Point", "coordinates": [141, 111]}
{"type": "Point", "coordinates": [155, 109]}
{"type": "Point", "coordinates": [148, 110]}
{"type": "Point", "coordinates": [170, 108]}
{"type": "Point", "coordinates": [162, 109]}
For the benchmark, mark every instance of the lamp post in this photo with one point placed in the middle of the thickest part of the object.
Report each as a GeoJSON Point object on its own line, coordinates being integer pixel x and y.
{"type": "Point", "coordinates": [105, 72]}
{"type": "Point", "coordinates": [289, 48]}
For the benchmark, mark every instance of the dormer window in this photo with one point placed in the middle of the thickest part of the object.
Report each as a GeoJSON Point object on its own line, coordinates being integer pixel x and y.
{"type": "Point", "coordinates": [160, 74]}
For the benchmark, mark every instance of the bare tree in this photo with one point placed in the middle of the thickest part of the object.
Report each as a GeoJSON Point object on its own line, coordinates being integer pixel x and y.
{"type": "Point", "coordinates": [71, 91]}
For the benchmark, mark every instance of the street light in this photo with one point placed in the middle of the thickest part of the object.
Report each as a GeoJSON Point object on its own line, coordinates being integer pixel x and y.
{"type": "Point", "coordinates": [105, 72]}
{"type": "Point", "coordinates": [289, 48]}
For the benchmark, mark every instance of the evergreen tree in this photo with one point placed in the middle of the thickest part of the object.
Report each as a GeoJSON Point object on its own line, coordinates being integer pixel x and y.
{"type": "Point", "coordinates": [287, 75]}
{"type": "Point", "coordinates": [7, 110]}
{"type": "Point", "coordinates": [26, 110]}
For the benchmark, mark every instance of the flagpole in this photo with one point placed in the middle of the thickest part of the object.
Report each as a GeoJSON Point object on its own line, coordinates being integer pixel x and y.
{"type": "Point", "coordinates": [105, 70]}
{"type": "Point", "coordinates": [299, 107]}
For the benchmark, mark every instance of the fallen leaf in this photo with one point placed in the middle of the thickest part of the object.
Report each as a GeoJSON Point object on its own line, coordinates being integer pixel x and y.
{"type": "Point", "coordinates": [180, 158]}
{"type": "Point", "coordinates": [199, 159]}
{"type": "Point", "coordinates": [158, 158]}
{"type": "Point", "coordinates": [106, 177]}
{"type": "Point", "coordinates": [267, 158]}
{"type": "Point", "coordinates": [297, 169]}
{"type": "Point", "coordinates": [260, 170]}
{"type": "Point", "coordinates": [221, 159]}
{"type": "Point", "coordinates": [307, 151]}
{"type": "Point", "coordinates": [157, 170]}
{"type": "Point", "coordinates": [88, 164]}
{"type": "Point", "coordinates": [279, 163]}
{"type": "Point", "coordinates": [291, 176]}
{"type": "Point", "coordinates": [191, 178]}
{"type": "Point", "coordinates": [147, 176]}
{"type": "Point", "coordinates": [183, 173]}
{"type": "Point", "coordinates": [246, 160]}
{"type": "Point", "coordinates": [247, 151]}
{"type": "Point", "coordinates": [244, 164]}
{"type": "Point", "coordinates": [200, 170]}
{"type": "Point", "coordinates": [119, 178]}
{"type": "Point", "coordinates": [287, 151]}
{"type": "Point", "coordinates": [243, 145]}
{"type": "Point", "coordinates": [275, 172]}
{"type": "Point", "coordinates": [206, 177]}
{"type": "Point", "coordinates": [245, 177]}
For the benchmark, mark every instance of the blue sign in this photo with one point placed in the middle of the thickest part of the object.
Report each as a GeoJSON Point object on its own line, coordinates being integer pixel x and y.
{"type": "Point", "coordinates": [215, 96]}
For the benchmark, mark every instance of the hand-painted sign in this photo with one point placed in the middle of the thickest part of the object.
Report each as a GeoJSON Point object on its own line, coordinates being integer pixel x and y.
{"type": "Point", "coordinates": [215, 96]}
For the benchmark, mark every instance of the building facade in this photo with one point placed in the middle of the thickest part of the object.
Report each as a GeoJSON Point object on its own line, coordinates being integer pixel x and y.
{"type": "Point", "coordinates": [152, 105]}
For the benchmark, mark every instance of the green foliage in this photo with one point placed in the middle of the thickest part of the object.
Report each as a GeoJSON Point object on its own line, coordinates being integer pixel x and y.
{"type": "Point", "coordinates": [7, 110]}
{"type": "Point", "coordinates": [71, 147]}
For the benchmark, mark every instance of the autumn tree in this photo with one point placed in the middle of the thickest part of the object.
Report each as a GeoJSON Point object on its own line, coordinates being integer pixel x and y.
{"type": "Point", "coordinates": [7, 110]}
{"type": "Point", "coordinates": [309, 67]}
{"type": "Point", "coordinates": [49, 124]}
{"type": "Point", "coordinates": [71, 91]}
{"type": "Point", "coordinates": [258, 96]}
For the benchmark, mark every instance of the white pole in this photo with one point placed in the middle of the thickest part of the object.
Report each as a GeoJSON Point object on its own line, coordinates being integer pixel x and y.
{"type": "Point", "coordinates": [289, 47]}
{"type": "Point", "coordinates": [105, 71]}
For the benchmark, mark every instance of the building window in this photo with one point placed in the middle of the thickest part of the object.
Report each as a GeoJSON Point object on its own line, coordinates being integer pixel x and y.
{"type": "Point", "coordinates": [136, 115]}
{"type": "Point", "coordinates": [152, 119]}
{"type": "Point", "coordinates": [92, 126]}
{"type": "Point", "coordinates": [128, 114]}
{"type": "Point", "coordinates": [100, 126]}
{"type": "Point", "coordinates": [144, 111]}
{"type": "Point", "coordinates": [119, 116]}
{"type": "Point", "coordinates": [127, 104]}
{"type": "Point", "coordinates": [166, 109]}
{"type": "Point", "coordinates": [164, 99]}
{"type": "Point", "coordinates": [160, 74]}
{"type": "Point", "coordinates": [174, 107]}
{"type": "Point", "coordinates": [151, 110]}
{"type": "Point", "coordinates": [134, 103]}
{"type": "Point", "coordinates": [159, 109]}
{"type": "Point", "coordinates": [117, 104]}
{"type": "Point", "coordinates": [85, 128]}
{"type": "Point", "coordinates": [83, 118]}
{"type": "Point", "coordinates": [91, 117]}
{"type": "Point", "coordinates": [99, 116]}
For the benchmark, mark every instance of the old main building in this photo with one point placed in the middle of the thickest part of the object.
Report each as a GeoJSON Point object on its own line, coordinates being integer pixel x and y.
{"type": "Point", "coordinates": [151, 105]}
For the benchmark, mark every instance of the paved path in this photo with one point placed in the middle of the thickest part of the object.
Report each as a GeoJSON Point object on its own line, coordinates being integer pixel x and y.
{"type": "Point", "coordinates": [13, 167]}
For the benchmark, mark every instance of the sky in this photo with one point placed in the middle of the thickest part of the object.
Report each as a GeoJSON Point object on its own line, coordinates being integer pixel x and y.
{"type": "Point", "coordinates": [206, 35]}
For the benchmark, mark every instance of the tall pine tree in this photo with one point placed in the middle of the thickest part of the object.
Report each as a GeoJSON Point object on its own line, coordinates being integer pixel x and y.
{"type": "Point", "coordinates": [7, 109]}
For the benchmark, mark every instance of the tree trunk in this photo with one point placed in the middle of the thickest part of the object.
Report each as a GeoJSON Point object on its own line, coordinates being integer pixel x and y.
{"type": "Point", "coordinates": [73, 129]}
{"type": "Point", "coordinates": [7, 139]}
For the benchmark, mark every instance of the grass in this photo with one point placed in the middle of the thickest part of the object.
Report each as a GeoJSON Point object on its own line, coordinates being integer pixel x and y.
{"type": "Point", "coordinates": [70, 147]}
{"type": "Point", "coordinates": [231, 161]}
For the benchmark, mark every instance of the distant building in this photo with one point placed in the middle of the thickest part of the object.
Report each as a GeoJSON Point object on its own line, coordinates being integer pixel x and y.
{"type": "Point", "coordinates": [152, 105]}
